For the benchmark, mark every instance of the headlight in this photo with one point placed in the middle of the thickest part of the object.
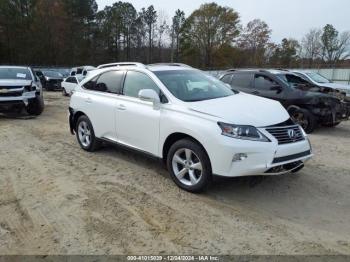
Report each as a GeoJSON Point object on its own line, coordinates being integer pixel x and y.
{"type": "Point", "coordinates": [46, 78]}
{"type": "Point", "coordinates": [242, 132]}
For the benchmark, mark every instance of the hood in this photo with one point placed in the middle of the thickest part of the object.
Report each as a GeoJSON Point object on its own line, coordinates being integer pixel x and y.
{"type": "Point", "coordinates": [243, 109]}
{"type": "Point", "coordinates": [320, 91]}
{"type": "Point", "coordinates": [15, 82]}
{"type": "Point", "coordinates": [336, 85]}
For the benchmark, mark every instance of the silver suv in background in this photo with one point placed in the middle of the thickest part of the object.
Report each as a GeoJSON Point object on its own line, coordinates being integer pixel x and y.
{"type": "Point", "coordinates": [20, 88]}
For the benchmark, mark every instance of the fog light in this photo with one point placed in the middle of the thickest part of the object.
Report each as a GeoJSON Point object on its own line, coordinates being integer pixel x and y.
{"type": "Point", "coordinates": [239, 157]}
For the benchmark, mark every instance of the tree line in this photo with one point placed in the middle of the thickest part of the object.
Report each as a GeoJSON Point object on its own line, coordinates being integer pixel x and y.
{"type": "Point", "coordinates": [75, 32]}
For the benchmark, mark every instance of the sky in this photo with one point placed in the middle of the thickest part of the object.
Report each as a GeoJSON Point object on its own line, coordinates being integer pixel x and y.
{"type": "Point", "coordinates": [287, 18]}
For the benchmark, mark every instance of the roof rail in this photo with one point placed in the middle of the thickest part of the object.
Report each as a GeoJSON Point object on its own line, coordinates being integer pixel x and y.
{"type": "Point", "coordinates": [170, 64]}
{"type": "Point", "coordinates": [121, 64]}
{"type": "Point", "coordinates": [282, 69]}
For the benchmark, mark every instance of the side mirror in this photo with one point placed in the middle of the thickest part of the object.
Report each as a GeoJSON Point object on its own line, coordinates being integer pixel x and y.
{"type": "Point", "coordinates": [276, 88]}
{"type": "Point", "coordinates": [149, 95]}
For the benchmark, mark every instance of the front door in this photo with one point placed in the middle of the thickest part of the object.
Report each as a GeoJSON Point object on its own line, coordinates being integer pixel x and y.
{"type": "Point", "coordinates": [138, 121]}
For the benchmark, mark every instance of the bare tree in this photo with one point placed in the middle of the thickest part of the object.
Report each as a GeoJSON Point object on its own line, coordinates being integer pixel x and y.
{"type": "Point", "coordinates": [178, 22]}
{"type": "Point", "coordinates": [311, 45]}
{"type": "Point", "coordinates": [255, 39]}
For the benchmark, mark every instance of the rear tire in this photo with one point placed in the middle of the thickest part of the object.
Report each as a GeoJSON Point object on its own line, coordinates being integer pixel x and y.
{"type": "Point", "coordinates": [189, 166]}
{"type": "Point", "coordinates": [85, 135]}
{"type": "Point", "coordinates": [305, 119]}
{"type": "Point", "coordinates": [36, 106]}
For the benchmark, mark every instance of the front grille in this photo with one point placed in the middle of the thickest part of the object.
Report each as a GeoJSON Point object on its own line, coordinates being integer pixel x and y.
{"type": "Point", "coordinates": [10, 91]}
{"type": "Point", "coordinates": [55, 81]}
{"type": "Point", "coordinates": [11, 94]}
{"type": "Point", "coordinates": [287, 134]}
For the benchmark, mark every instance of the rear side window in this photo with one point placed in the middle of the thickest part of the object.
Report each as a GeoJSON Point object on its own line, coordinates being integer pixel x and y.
{"type": "Point", "coordinates": [136, 81]}
{"type": "Point", "coordinates": [90, 85]}
{"type": "Point", "coordinates": [242, 80]}
{"type": "Point", "coordinates": [263, 82]}
{"type": "Point", "coordinates": [227, 79]}
{"type": "Point", "coordinates": [110, 82]}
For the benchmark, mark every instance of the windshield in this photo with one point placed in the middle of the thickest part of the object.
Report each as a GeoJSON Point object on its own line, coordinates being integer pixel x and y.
{"type": "Point", "coordinates": [318, 78]}
{"type": "Point", "coordinates": [52, 74]}
{"type": "Point", "coordinates": [193, 85]}
{"type": "Point", "coordinates": [15, 73]}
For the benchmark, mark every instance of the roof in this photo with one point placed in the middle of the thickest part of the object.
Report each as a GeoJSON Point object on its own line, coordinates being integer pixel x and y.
{"type": "Point", "coordinates": [23, 67]}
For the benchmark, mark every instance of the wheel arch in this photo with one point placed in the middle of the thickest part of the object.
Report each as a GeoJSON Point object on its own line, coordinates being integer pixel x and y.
{"type": "Point", "coordinates": [173, 138]}
{"type": "Point", "coordinates": [73, 118]}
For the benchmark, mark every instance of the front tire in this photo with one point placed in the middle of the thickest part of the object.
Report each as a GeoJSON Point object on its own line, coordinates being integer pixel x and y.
{"type": "Point", "coordinates": [305, 119]}
{"type": "Point", "coordinates": [189, 166]}
{"type": "Point", "coordinates": [36, 106]}
{"type": "Point", "coordinates": [86, 135]}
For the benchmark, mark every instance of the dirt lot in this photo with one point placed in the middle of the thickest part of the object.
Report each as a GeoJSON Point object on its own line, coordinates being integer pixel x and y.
{"type": "Point", "coordinates": [57, 199]}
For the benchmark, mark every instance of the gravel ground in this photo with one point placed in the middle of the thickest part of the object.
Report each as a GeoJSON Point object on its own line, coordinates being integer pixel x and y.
{"type": "Point", "coordinates": [57, 199]}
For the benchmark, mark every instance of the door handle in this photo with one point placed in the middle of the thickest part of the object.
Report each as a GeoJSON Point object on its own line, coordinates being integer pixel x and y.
{"type": "Point", "coordinates": [88, 100]}
{"type": "Point", "coordinates": [121, 107]}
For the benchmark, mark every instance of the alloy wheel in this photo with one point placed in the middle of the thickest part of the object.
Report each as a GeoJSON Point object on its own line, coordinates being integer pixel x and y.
{"type": "Point", "coordinates": [84, 133]}
{"type": "Point", "coordinates": [301, 119]}
{"type": "Point", "coordinates": [187, 167]}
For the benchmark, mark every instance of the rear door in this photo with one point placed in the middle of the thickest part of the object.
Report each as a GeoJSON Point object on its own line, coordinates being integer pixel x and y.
{"type": "Point", "coordinates": [243, 81]}
{"type": "Point", "coordinates": [100, 101]}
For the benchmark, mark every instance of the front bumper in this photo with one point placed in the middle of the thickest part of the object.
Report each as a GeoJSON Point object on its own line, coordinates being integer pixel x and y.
{"type": "Point", "coordinates": [263, 158]}
{"type": "Point", "coordinates": [6, 101]}
{"type": "Point", "coordinates": [338, 113]}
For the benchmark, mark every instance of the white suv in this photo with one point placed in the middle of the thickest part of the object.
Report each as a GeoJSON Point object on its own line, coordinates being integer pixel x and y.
{"type": "Point", "coordinates": [192, 121]}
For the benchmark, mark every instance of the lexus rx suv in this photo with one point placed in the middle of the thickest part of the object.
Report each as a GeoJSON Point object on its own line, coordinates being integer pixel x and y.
{"type": "Point", "coordinates": [20, 88]}
{"type": "Point", "coordinates": [196, 124]}
{"type": "Point", "coordinates": [308, 104]}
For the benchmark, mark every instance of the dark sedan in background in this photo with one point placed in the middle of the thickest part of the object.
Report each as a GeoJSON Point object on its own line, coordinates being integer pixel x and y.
{"type": "Point", "coordinates": [52, 80]}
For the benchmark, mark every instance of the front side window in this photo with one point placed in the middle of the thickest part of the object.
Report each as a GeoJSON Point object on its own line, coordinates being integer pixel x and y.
{"type": "Point", "coordinates": [292, 80]}
{"type": "Point", "coordinates": [15, 73]}
{"type": "Point", "coordinates": [193, 85]}
{"type": "Point", "coordinates": [135, 82]}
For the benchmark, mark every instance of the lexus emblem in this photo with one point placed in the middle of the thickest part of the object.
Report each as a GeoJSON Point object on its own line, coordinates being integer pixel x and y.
{"type": "Point", "coordinates": [291, 133]}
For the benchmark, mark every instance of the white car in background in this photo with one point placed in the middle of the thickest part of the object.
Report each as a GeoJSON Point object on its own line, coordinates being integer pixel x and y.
{"type": "Point", "coordinates": [319, 80]}
{"type": "Point", "coordinates": [70, 83]}
{"type": "Point", "coordinates": [81, 70]}
{"type": "Point", "coordinates": [195, 123]}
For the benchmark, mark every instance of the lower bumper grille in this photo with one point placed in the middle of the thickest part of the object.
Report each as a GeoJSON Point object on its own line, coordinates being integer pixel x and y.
{"type": "Point", "coordinates": [291, 157]}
